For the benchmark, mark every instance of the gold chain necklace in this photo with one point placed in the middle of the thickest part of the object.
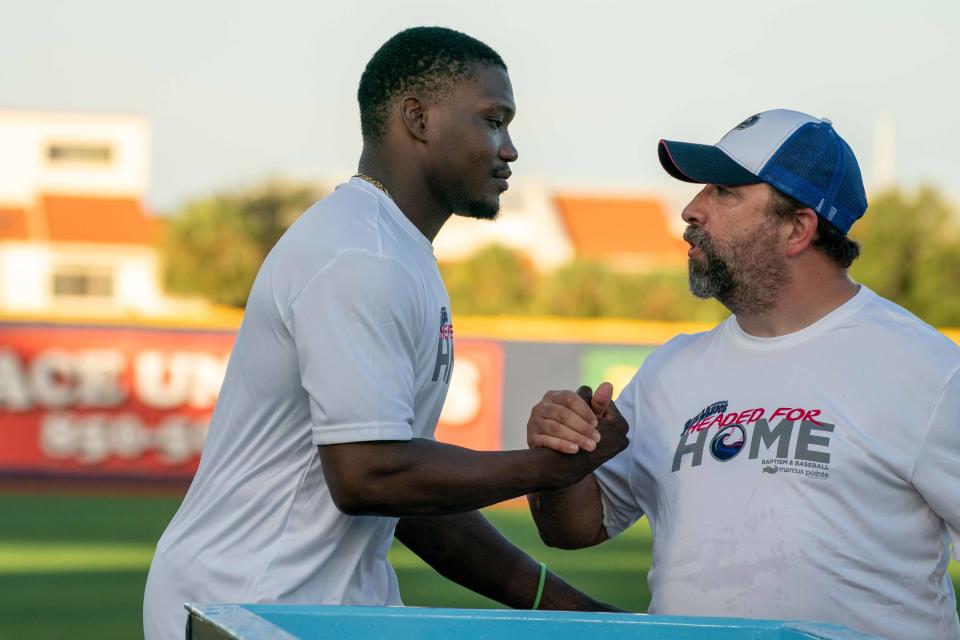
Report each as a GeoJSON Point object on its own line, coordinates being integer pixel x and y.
{"type": "Point", "coordinates": [374, 182]}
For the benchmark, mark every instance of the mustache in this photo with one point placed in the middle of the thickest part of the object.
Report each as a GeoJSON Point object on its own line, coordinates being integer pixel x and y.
{"type": "Point", "coordinates": [697, 236]}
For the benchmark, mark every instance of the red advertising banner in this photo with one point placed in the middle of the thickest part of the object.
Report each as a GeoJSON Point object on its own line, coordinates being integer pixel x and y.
{"type": "Point", "coordinates": [107, 401]}
{"type": "Point", "coordinates": [135, 402]}
{"type": "Point", "coordinates": [472, 413]}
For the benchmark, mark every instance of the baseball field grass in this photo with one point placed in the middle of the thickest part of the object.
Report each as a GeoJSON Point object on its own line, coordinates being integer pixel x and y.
{"type": "Point", "coordinates": [75, 565]}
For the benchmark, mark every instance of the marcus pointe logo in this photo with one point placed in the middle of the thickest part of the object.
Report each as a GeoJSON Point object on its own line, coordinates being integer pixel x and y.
{"type": "Point", "coordinates": [728, 442]}
{"type": "Point", "coordinates": [749, 122]}
{"type": "Point", "coordinates": [771, 469]}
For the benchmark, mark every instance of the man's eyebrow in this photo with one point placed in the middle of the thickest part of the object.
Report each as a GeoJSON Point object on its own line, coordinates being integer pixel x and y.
{"type": "Point", "coordinates": [499, 105]}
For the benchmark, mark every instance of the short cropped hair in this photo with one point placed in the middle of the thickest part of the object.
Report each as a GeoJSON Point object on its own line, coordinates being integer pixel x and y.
{"type": "Point", "coordinates": [426, 60]}
{"type": "Point", "coordinates": [829, 239]}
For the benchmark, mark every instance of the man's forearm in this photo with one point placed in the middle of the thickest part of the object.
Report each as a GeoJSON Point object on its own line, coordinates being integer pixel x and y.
{"type": "Point", "coordinates": [571, 517]}
{"type": "Point", "coordinates": [422, 477]}
{"type": "Point", "coordinates": [468, 550]}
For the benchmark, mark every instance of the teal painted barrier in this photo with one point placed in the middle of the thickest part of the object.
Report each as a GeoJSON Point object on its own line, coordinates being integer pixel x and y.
{"type": "Point", "coordinates": [289, 622]}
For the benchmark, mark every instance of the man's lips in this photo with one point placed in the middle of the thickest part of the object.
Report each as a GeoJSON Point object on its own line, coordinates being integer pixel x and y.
{"type": "Point", "coordinates": [502, 183]}
{"type": "Point", "coordinates": [692, 236]}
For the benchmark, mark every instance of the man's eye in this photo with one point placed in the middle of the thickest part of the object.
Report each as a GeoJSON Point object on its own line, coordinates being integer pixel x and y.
{"type": "Point", "coordinates": [722, 190]}
{"type": "Point", "coordinates": [496, 124]}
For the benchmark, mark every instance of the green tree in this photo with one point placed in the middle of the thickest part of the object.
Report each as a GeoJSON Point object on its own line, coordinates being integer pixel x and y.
{"type": "Point", "coordinates": [496, 280]}
{"type": "Point", "coordinates": [911, 254]}
{"type": "Point", "coordinates": [581, 289]}
{"type": "Point", "coordinates": [493, 280]}
{"type": "Point", "coordinates": [592, 290]}
{"type": "Point", "coordinates": [936, 291]}
{"type": "Point", "coordinates": [665, 295]}
{"type": "Point", "coordinates": [894, 232]}
{"type": "Point", "coordinates": [213, 247]}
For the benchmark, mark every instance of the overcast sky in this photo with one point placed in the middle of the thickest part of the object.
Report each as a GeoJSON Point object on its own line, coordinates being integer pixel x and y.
{"type": "Point", "coordinates": [238, 90]}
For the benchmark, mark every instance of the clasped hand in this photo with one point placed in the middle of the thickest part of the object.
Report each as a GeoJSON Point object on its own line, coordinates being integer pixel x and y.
{"type": "Point", "coordinates": [569, 422]}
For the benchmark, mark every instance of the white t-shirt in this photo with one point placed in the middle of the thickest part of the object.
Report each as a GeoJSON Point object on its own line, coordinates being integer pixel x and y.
{"type": "Point", "coordinates": [347, 336]}
{"type": "Point", "coordinates": [813, 476]}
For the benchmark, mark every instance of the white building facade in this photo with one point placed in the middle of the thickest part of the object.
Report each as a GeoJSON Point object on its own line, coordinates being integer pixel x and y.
{"type": "Point", "coordinates": [74, 237]}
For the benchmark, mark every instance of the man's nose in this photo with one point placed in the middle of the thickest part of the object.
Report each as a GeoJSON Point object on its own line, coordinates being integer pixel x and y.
{"type": "Point", "coordinates": [508, 152]}
{"type": "Point", "coordinates": [694, 212]}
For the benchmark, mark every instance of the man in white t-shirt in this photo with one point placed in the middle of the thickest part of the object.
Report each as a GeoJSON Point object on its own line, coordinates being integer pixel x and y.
{"type": "Point", "coordinates": [322, 436]}
{"type": "Point", "coordinates": [802, 459]}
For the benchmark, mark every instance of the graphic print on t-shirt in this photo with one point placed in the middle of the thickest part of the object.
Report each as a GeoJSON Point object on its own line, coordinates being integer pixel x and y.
{"type": "Point", "coordinates": [766, 440]}
{"type": "Point", "coordinates": [444, 348]}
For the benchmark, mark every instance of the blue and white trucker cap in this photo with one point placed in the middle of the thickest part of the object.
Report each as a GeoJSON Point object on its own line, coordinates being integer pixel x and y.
{"type": "Point", "coordinates": [795, 153]}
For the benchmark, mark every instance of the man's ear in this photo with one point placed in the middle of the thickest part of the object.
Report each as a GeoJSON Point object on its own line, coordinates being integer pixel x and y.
{"type": "Point", "coordinates": [413, 114]}
{"type": "Point", "coordinates": [803, 231]}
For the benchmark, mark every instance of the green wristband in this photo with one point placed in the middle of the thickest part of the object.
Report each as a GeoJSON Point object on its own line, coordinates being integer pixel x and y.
{"type": "Point", "coordinates": [543, 580]}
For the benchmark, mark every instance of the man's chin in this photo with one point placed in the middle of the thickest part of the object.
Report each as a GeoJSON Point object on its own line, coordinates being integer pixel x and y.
{"type": "Point", "coordinates": [704, 283]}
{"type": "Point", "coordinates": [480, 209]}
{"type": "Point", "coordinates": [701, 289]}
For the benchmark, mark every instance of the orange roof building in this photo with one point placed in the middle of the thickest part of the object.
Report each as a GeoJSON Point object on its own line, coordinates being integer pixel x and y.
{"type": "Point", "coordinates": [81, 219]}
{"type": "Point", "coordinates": [75, 238]}
{"type": "Point", "coordinates": [98, 220]}
{"type": "Point", "coordinates": [13, 223]}
{"type": "Point", "coordinates": [627, 232]}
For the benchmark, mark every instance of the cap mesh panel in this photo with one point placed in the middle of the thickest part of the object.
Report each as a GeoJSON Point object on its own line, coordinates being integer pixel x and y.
{"type": "Point", "coordinates": [805, 166]}
{"type": "Point", "coordinates": [850, 196]}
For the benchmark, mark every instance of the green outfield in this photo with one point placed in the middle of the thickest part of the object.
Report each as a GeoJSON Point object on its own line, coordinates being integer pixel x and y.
{"type": "Point", "coordinates": [74, 566]}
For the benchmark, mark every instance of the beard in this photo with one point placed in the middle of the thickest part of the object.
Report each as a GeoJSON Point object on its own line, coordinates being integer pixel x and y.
{"type": "Point", "coordinates": [746, 275]}
{"type": "Point", "coordinates": [479, 209]}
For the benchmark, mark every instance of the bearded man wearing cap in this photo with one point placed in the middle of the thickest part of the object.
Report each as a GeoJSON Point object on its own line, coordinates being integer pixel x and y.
{"type": "Point", "coordinates": [802, 459]}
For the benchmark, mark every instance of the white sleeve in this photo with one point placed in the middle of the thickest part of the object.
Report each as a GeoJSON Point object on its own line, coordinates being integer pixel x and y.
{"type": "Point", "coordinates": [355, 326]}
{"type": "Point", "coordinates": [936, 472]}
{"type": "Point", "coordinates": [620, 507]}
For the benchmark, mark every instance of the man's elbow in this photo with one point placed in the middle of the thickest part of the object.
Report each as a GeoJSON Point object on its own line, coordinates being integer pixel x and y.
{"type": "Point", "coordinates": [355, 486]}
{"type": "Point", "coordinates": [564, 538]}
{"type": "Point", "coordinates": [348, 501]}
{"type": "Point", "coordinates": [561, 542]}
{"type": "Point", "coordinates": [358, 497]}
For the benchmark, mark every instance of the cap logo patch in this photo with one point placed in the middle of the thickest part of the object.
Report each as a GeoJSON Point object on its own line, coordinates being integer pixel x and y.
{"type": "Point", "coordinates": [749, 122]}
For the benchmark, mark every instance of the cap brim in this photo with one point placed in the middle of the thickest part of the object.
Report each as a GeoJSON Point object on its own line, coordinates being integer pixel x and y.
{"type": "Point", "coordinates": [702, 163]}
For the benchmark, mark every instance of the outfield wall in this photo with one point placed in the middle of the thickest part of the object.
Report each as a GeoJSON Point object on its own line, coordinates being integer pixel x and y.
{"type": "Point", "coordinates": [133, 400]}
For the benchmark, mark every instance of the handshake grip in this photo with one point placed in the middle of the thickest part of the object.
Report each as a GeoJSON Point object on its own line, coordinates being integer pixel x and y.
{"type": "Point", "coordinates": [565, 427]}
{"type": "Point", "coordinates": [611, 424]}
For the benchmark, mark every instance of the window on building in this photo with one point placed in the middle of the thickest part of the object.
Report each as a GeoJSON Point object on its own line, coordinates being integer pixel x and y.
{"type": "Point", "coordinates": [79, 153]}
{"type": "Point", "coordinates": [83, 282]}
